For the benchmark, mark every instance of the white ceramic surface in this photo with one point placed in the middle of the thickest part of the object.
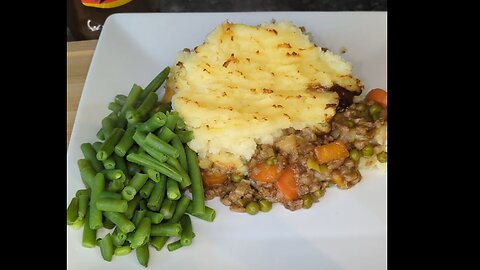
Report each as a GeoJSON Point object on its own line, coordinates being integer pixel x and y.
{"type": "Point", "coordinates": [346, 230]}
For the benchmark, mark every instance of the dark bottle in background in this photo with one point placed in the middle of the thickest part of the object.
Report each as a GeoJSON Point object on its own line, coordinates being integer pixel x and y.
{"type": "Point", "coordinates": [86, 22]}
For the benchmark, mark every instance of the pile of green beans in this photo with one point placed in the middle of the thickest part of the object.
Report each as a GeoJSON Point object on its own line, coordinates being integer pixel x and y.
{"type": "Point", "coordinates": [135, 179]}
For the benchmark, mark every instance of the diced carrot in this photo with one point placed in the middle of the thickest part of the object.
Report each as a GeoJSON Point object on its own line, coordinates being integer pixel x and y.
{"type": "Point", "coordinates": [378, 95]}
{"type": "Point", "coordinates": [340, 182]}
{"type": "Point", "coordinates": [287, 185]}
{"type": "Point", "coordinates": [330, 152]}
{"type": "Point", "coordinates": [213, 179]}
{"type": "Point", "coordinates": [264, 173]}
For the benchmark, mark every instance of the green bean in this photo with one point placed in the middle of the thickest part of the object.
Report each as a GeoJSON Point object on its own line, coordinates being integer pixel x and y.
{"type": "Point", "coordinates": [155, 142]}
{"type": "Point", "coordinates": [132, 98]}
{"type": "Point", "coordinates": [114, 174]}
{"type": "Point", "coordinates": [137, 217]}
{"type": "Point", "coordinates": [185, 178]}
{"type": "Point", "coordinates": [109, 163]}
{"type": "Point", "coordinates": [168, 208]}
{"type": "Point", "coordinates": [83, 201]}
{"type": "Point", "coordinates": [173, 192]}
{"type": "Point", "coordinates": [120, 164]}
{"type": "Point", "coordinates": [116, 185]}
{"type": "Point", "coordinates": [108, 146]}
{"type": "Point", "coordinates": [174, 245]}
{"type": "Point", "coordinates": [158, 242]}
{"type": "Point", "coordinates": [146, 106]}
{"type": "Point", "coordinates": [156, 165]}
{"type": "Point", "coordinates": [72, 211]}
{"type": "Point", "coordinates": [109, 123]}
{"type": "Point", "coordinates": [122, 147]}
{"type": "Point", "coordinates": [182, 158]}
{"type": "Point", "coordinates": [133, 149]}
{"type": "Point", "coordinates": [180, 124]}
{"type": "Point", "coordinates": [181, 208]}
{"type": "Point", "coordinates": [138, 180]}
{"type": "Point", "coordinates": [132, 206]}
{"type": "Point", "coordinates": [87, 172]}
{"type": "Point", "coordinates": [252, 208]}
{"type": "Point", "coordinates": [155, 217]}
{"type": "Point", "coordinates": [83, 192]}
{"type": "Point", "coordinates": [108, 224]}
{"type": "Point", "coordinates": [123, 250]}
{"type": "Point", "coordinates": [184, 135]}
{"type": "Point", "coordinates": [172, 118]}
{"type": "Point", "coordinates": [166, 134]}
{"type": "Point", "coordinates": [160, 107]}
{"type": "Point", "coordinates": [139, 137]}
{"type": "Point", "coordinates": [153, 123]}
{"type": "Point", "coordinates": [133, 118]}
{"type": "Point", "coordinates": [143, 205]}
{"type": "Point", "coordinates": [155, 83]}
{"type": "Point", "coordinates": [98, 185]}
{"type": "Point", "coordinates": [158, 194]}
{"type": "Point", "coordinates": [120, 99]}
{"type": "Point", "coordinates": [265, 205]}
{"type": "Point", "coordinates": [106, 247]}
{"type": "Point", "coordinates": [128, 193]}
{"type": "Point", "coordinates": [198, 197]}
{"type": "Point", "coordinates": [96, 146]}
{"type": "Point", "coordinates": [114, 107]}
{"type": "Point", "coordinates": [142, 233]}
{"type": "Point", "coordinates": [90, 154]}
{"type": "Point", "coordinates": [146, 190]}
{"type": "Point", "coordinates": [187, 231]}
{"type": "Point", "coordinates": [143, 255]}
{"type": "Point", "coordinates": [112, 205]}
{"type": "Point", "coordinates": [121, 221]}
{"type": "Point", "coordinates": [133, 168]}
{"type": "Point", "coordinates": [166, 229]}
{"type": "Point", "coordinates": [100, 134]}
{"type": "Point", "coordinates": [152, 174]}
{"type": "Point", "coordinates": [118, 237]}
{"type": "Point", "coordinates": [89, 236]}
{"type": "Point", "coordinates": [307, 201]}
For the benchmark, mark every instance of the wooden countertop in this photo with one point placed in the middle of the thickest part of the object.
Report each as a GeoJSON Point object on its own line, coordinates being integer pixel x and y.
{"type": "Point", "coordinates": [79, 56]}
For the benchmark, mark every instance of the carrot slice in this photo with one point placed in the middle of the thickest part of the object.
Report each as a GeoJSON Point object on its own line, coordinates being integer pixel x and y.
{"type": "Point", "coordinates": [213, 179]}
{"type": "Point", "coordinates": [287, 185]}
{"type": "Point", "coordinates": [264, 173]}
{"type": "Point", "coordinates": [330, 152]}
{"type": "Point", "coordinates": [378, 95]}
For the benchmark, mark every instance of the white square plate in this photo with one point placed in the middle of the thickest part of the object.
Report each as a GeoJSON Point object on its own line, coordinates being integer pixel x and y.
{"type": "Point", "coordinates": [345, 230]}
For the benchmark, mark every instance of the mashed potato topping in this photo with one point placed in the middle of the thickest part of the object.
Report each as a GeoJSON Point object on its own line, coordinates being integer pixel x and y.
{"type": "Point", "coordinates": [245, 84]}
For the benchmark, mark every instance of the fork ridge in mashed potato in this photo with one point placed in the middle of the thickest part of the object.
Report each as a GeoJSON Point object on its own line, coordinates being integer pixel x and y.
{"type": "Point", "coordinates": [245, 84]}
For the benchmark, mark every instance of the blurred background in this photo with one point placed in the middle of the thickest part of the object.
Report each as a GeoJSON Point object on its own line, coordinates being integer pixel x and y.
{"type": "Point", "coordinates": [85, 18]}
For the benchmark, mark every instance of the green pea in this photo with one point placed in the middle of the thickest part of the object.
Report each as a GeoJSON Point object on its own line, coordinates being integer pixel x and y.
{"type": "Point", "coordinates": [236, 178]}
{"type": "Point", "coordinates": [307, 201]}
{"type": "Point", "coordinates": [265, 205]}
{"type": "Point", "coordinates": [367, 151]}
{"type": "Point", "coordinates": [252, 208]}
{"type": "Point", "coordinates": [374, 111]}
{"type": "Point", "coordinates": [361, 107]}
{"type": "Point", "coordinates": [271, 161]}
{"type": "Point", "coordinates": [355, 154]}
{"type": "Point", "coordinates": [382, 157]}
{"type": "Point", "coordinates": [319, 193]}
{"type": "Point", "coordinates": [349, 123]}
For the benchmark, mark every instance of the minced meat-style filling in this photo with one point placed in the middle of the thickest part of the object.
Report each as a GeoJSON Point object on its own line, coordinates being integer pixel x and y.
{"type": "Point", "coordinates": [299, 167]}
